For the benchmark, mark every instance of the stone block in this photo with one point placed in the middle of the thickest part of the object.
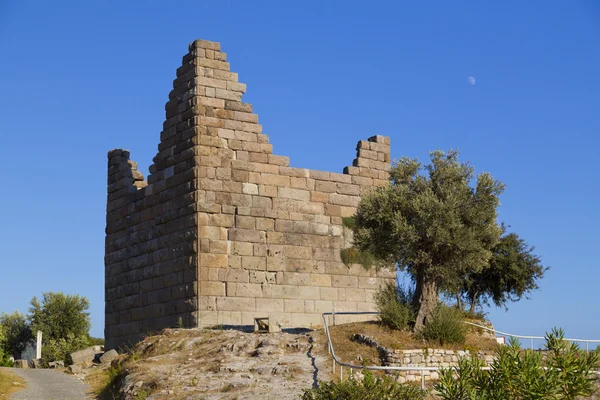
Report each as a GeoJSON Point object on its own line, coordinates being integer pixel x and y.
{"type": "Point", "coordinates": [293, 306]}
{"type": "Point", "coordinates": [249, 188]}
{"type": "Point", "coordinates": [234, 275]}
{"type": "Point", "coordinates": [212, 288]}
{"type": "Point", "coordinates": [369, 282]}
{"type": "Point", "coordinates": [328, 293]}
{"type": "Point", "coordinates": [320, 280]}
{"type": "Point", "coordinates": [322, 306]}
{"type": "Point", "coordinates": [281, 291]}
{"type": "Point", "coordinates": [247, 235]}
{"type": "Point", "coordinates": [342, 281]}
{"type": "Point", "coordinates": [313, 321]}
{"type": "Point", "coordinates": [309, 293]}
{"type": "Point", "coordinates": [255, 263]}
{"type": "Point", "coordinates": [85, 356]}
{"type": "Point", "coordinates": [236, 304]}
{"type": "Point", "coordinates": [271, 305]}
{"type": "Point", "coordinates": [244, 290]}
{"type": "Point", "coordinates": [109, 356]}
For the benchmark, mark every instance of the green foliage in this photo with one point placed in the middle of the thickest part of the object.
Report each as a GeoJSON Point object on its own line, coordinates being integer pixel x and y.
{"type": "Point", "coordinates": [93, 341]}
{"type": "Point", "coordinates": [369, 388]}
{"type": "Point", "coordinates": [445, 326]}
{"type": "Point", "coordinates": [64, 322]}
{"type": "Point", "coordinates": [349, 222]}
{"type": "Point", "coordinates": [439, 226]}
{"type": "Point", "coordinates": [353, 255]}
{"type": "Point", "coordinates": [566, 373]}
{"type": "Point", "coordinates": [59, 314]}
{"type": "Point", "coordinates": [16, 333]}
{"type": "Point", "coordinates": [394, 306]}
{"type": "Point", "coordinates": [4, 357]}
{"type": "Point", "coordinates": [61, 348]}
{"type": "Point", "coordinates": [513, 271]}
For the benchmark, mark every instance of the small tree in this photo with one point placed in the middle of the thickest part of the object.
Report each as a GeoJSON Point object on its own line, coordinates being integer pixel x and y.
{"type": "Point", "coordinates": [63, 321]}
{"type": "Point", "coordinates": [513, 272]}
{"type": "Point", "coordinates": [16, 332]}
{"type": "Point", "coordinates": [438, 227]}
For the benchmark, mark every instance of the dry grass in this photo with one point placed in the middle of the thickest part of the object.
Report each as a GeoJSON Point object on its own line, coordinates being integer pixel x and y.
{"type": "Point", "coordinates": [347, 350]}
{"type": "Point", "coordinates": [9, 384]}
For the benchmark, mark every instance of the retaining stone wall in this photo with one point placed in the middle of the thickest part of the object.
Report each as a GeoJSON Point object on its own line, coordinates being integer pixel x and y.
{"type": "Point", "coordinates": [420, 358]}
{"type": "Point", "coordinates": [223, 230]}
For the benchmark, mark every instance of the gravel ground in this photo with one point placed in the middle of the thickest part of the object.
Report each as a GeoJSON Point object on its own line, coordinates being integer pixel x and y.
{"type": "Point", "coordinates": [45, 384]}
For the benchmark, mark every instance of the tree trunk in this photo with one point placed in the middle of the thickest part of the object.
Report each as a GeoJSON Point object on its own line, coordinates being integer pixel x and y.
{"type": "Point", "coordinates": [425, 300]}
{"type": "Point", "coordinates": [458, 302]}
{"type": "Point", "coordinates": [473, 302]}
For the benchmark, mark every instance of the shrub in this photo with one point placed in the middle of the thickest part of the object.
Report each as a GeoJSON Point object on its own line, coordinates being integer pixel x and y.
{"type": "Point", "coordinates": [4, 357]}
{"type": "Point", "coordinates": [61, 348]}
{"type": "Point", "coordinates": [352, 255]}
{"type": "Point", "coordinates": [16, 333]}
{"type": "Point", "coordinates": [368, 388]}
{"type": "Point", "coordinates": [393, 303]}
{"type": "Point", "coordinates": [566, 374]}
{"type": "Point", "coordinates": [445, 326]}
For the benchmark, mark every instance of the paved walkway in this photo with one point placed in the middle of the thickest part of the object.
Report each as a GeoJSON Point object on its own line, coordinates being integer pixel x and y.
{"type": "Point", "coordinates": [46, 384]}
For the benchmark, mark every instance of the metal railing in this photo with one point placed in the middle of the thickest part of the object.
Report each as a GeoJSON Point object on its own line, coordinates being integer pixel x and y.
{"type": "Point", "coordinates": [532, 338]}
{"type": "Point", "coordinates": [352, 367]}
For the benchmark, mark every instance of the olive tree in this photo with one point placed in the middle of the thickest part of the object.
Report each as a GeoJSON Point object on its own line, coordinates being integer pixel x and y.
{"type": "Point", "coordinates": [438, 222]}
{"type": "Point", "coordinates": [64, 321]}
{"type": "Point", "coordinates": [512, 272]}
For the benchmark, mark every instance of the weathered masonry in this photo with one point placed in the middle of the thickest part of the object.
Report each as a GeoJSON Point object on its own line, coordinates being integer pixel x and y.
{"type": "Point", "coordinates": [223, 230]}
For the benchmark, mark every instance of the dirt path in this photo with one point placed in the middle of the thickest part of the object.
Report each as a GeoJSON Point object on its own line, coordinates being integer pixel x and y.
{"type": "Point", "coordinates": [48, 385]}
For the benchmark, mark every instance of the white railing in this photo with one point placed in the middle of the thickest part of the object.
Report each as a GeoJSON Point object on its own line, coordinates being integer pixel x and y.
{"type": "Point", "coordinates": [532, 338]}
{"type": "Point", "coordinates": [351, 367]}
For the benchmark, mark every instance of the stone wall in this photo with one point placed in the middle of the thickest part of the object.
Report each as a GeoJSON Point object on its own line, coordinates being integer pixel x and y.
{"type": "Point", "coordinates": [223, 230]}
{"type": "Point", "coordinates": [439, 358]}
{"type": "Point", "coordinates": [427, 357]}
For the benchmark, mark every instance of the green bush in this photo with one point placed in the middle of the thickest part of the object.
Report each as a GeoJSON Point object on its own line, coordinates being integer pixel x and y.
{"type": "Point", "coordinates": [566, 373]}
{"type": "Point", "coordinates": [368, 388]}
{"type": "Point", "coordinates": [445, 326]}
{"type": "Point", "coordinates": [16, 333]}
{"type": "Point", "coordinates": [393, 303]}
{"type": "Point", "coordinates": [352, 255]}
{"type": "Point", "coordinates": [4, 357]}
{"type": "Point", "coordinates": [61, 348]}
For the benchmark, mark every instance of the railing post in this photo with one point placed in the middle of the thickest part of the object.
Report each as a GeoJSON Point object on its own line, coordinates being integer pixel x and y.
{"type": "Point", "coordinates": [422, 379]}
{"type": "Point", "coordinates": [333, 365]}
{"type": "Point", "coordinates": [531, 343]}
{"type": "Point", "coordinates": [587, 347]}
{"type": "Point", "coordinates": [341, 373]}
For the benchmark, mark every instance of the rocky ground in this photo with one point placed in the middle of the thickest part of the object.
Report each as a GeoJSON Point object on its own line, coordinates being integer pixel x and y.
{"type": "Point", "coordinates": [225, 364]}
{"type": "Point", "coordinates": [229, 364]}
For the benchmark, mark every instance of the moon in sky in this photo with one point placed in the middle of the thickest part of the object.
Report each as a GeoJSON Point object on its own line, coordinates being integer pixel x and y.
{"type": "Point", "coordinates": [471, 80]}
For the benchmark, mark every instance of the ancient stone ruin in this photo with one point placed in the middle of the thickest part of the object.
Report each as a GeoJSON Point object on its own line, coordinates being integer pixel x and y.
{"type": "Point", "coordinates": [223, 230]}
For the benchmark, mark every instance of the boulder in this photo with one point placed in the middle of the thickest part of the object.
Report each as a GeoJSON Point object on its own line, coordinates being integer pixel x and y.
{"type": "Point", "coordinates": [56, 364]}
{"type": "Point", "coordinates": [76, 369]}
{"type": "Point", "coordinates": [107, 357]}
{"type": "Point", "coordinates": [85, 355]}
{"type": "Point", "coordinates": [38, 363]}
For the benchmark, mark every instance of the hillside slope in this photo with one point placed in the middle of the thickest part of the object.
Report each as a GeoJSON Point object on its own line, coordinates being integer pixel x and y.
{"type": "Point", "coordinates": [219, 364]}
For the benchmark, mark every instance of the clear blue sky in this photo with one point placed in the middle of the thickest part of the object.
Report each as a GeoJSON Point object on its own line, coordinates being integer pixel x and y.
{"type": "Point", "coordinates": [78, 78]}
